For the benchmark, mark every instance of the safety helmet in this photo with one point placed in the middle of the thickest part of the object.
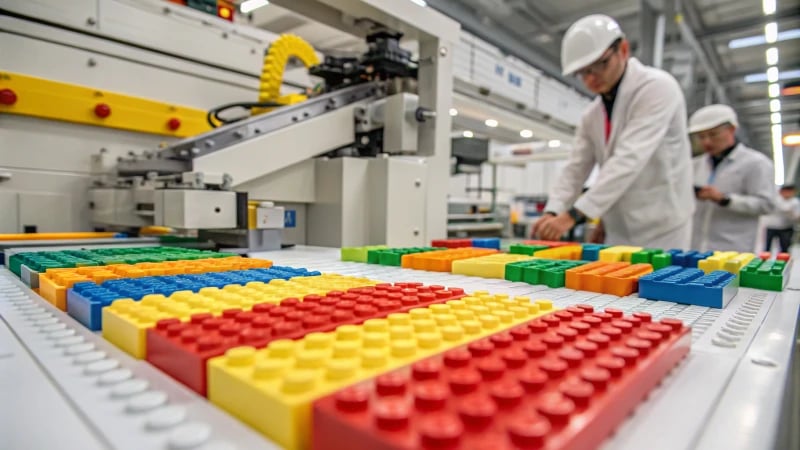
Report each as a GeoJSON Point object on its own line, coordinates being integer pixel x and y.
{"type": "Point", "coordinates": [586, 40]}
{"type": "Point", "coordinates": [712, 116]}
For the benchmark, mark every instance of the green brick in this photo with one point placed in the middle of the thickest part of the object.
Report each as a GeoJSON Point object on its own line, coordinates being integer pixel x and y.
{"type": "Point", "coordinates": [358, 254]}
{"type": "Point", "coordinates": [525, 249]}
{"type": "Point", "coordinates": [394, 256]}
{"type": "Point", "coordinates": [661, 260]}
{"type": "Point", "coordinates": [550, 272]}
{"type": "Point", "coordinates": [645, 256]}
{"type": "Point", "coordinates": [764, 274]}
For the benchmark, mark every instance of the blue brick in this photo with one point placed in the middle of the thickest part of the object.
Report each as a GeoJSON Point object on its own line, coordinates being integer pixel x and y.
{"type": "Point", "coordinates": [689, 286]}
{"type": "Point", "coordinates": [486, 243]}
{"type": "Point", "coordinates": [688, 258]}
{"type": "Point", "coordinates": [591, 252]}
{"type": "Point", "coordinates": [86, 300]}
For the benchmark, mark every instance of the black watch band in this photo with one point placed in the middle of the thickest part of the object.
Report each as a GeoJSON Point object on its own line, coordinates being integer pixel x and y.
{"type": "Point", "coordinates": [551, 213]}
{"type": "Point", "coordinates": [575, 214]}
{"type": "Point", "coordinates": [725, 201]}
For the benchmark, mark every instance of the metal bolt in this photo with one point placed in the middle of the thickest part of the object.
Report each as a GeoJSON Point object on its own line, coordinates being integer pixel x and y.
{"type": "Point", "coordinates": [208, 143]}
{"type": "Point", "coordinates": [416, 231]}
{"type": "Point", "coordinates": [442, 51]}
{"type": "Point", "coordinates": [91, 21]}
{"type": "Point", "coordinates": [417, 183]}
{"type": "Point", "coordinates": [91, 62]}
{"type": "Point", "coordinates": [238, 134]}
{"type": "Point", "coordinates": [195, 151]}
{"type": "Point", "coordinates": [184, 153]}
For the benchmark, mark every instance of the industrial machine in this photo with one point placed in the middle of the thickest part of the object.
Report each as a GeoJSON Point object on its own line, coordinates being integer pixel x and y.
{"type": "Point", "coordinates": [361, 160]}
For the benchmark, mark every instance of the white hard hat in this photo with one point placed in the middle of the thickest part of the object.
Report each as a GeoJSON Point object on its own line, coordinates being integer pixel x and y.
{"type": "Point", "coordinates": [586, 40]}
{"type": "Point", "coordinates": [712, 116]}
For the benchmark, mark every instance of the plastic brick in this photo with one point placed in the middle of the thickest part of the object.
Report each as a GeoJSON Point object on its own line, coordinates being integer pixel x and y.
{"type": "Point", "coordinates": [394, 256]}
{"type": "Point", "coordinates": [688, 258]}
{"type": "Point", "coordinates": [451, 243]}
{"type": "Point", "coordinates": [728, 261]}
{"type": "Point", "coordinates": [779, 256]}
{"type": "Point", "coordinates": [358, 254]}
{"type": "Point", "coordinates": [591, 252]}
{"type": "Point", "coordinates": [524, 249]}
{"type": "Point", "coordinates": [549, 272]}
{"type": "Point", "coordinates": [571, 252]}
{"type": "Point", "coordinates": [486, 243]}
{"type": "Point", "coordinates": [85, 300]}
{"type": "Point", "coordinates": [490, 266]}
{"type": "Point", "coordinates": [272, 389]}
{"type": "Point", "coordinates": [563, 383]}
{"type": "Point", "coordinates": [618, 253]}
{"type": "Point", "coordinates": [549, 244]}
{"type": "Point", "coordinates": [771, 275]}
{"type": "Point", "coordinates": [645, 256]}
{"type": "Point", "coordinates": [616, 278]}
{"type": "Point", "coordinates": [441, 261]}
{"type": "Point", "coordinates": [53, 283]}
{"type": "Point", "coordinates": [182, 349]}
{"type": "Point", "coordinates": [126, 321]}
{"type": "Point", "coordinates": [689, 286]}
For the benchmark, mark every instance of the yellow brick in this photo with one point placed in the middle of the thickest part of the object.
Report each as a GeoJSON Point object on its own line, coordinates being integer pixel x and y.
{"type": "Point", "coordinates": [618, 253]}
{"type": "Point", "coordinates": [129, 320]}
{"type": "Point", "coordinates": [728, 261]}
{"type": "Point", "coordinates": [272, 389]}
{"type": "Point", "coordinates": [490, 266]}
{"type": "Point", "coordinates": [572, 252]}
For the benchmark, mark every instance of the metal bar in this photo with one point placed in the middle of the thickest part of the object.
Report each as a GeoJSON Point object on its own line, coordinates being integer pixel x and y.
{"type": "Point", "coordinates": [758, 21]}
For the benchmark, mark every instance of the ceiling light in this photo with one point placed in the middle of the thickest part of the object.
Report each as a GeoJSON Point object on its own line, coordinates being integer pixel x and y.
{"type": "Point", "coordinates": [555, 143]}
{"type": "Point", "coordinates": [491, 123]}
{"type": "Point", "coordinates": [468, 134]}
{"type": "Point", "coordinates": [775, 118]}
{"type": "Point", "coordinates": [772, 74]}
{"type": "Point", "coordinates": [774, 90]}
{"type": "Point", "coordinates": [752, 41]}
{"type": "Point", "coordinates": [453, 112]}
{"type": "Point", "coordinates": [771, 32]}
{"type": "Point", "coordinates": [772, 56]}
{"type": "Point", "coordinates": [774, 105]}
{"type": "Point", "coordinates": [768, 6]}
{"type": "Point", "coordinates": [764, 76]}
{"type": "Point", "coordinates": [526, 134]}
{"type": "Point", "coordinates": [252, 5]}
{"type": "Point", "coordinates": [777, 153]}
{"type": "Point", "coordinates": [791, 140]}
{"type": "Point", "coordinates": [422, 3]}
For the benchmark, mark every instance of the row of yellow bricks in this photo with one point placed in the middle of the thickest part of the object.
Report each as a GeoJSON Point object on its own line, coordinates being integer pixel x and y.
{"type": "Point", "coordinates": [272, 389]}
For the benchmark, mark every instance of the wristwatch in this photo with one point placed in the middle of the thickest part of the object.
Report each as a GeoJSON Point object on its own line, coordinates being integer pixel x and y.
{"type": "Point", "coordinates": [725, 201]}
{"type": "Point", "coordinates": [575, 214]}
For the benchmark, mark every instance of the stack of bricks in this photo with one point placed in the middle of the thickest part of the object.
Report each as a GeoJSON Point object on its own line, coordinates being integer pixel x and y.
{"type": "Point", "coordinates": [551, 273]}
{"type": "Point", "coordinates": [441, 261]}
{"type": "Point", "coordinates": [272, 389]}
{"type": "Point", "coordinates": [53, 283]}
{"type": "Point", "coordinates": [181, 349]}
{"type": "Point", "coordinates": [394, 256]}
{"type": "Point", "coordinates": [566, 380]}
{"type": "Point", "coordinates": [86, 299]}
{"type": "Point", "coordinates": [125, 321]}
{"type": "Point", "coordinates": [615, 278]}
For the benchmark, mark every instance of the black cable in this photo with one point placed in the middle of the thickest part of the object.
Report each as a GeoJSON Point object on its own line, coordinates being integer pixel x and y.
{"type": "Point", "coordinates": [215, 120]}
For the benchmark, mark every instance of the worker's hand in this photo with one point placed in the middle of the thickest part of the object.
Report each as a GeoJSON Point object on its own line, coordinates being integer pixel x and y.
{"type": "Point", "coordinates": [598, 235]}
{"type": "Point", "coordinates": [551, 228]}
{"type": "Point", "coordinates": [710, 193]}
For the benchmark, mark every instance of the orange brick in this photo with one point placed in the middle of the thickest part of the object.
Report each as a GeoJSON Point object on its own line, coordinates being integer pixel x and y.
{"type": "Point", "coordinates": [589, 277]}
{"type": "Point", "coordinates": [626, 280]}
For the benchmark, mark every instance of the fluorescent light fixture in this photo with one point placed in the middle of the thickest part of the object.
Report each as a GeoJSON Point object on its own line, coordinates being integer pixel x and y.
{"type": "Point", "coordinates": [491, 123]}
{"type": "Point", "coordinates": [555, 143]}
{"type": "Point", "coordinates": [772, 56]}
{"type": "Point", "coordinates": [775, 118]}
{"type": "Point", "coordinates": [768, 6]}
{"type": "Point", "coordinates": [771, 32]}
{"type": "Point", "coordinates": [526, 134]}
{"type": "Point", "coordinates": [774, 90]}
{"type": "Point", "coordinates": [752, 41]}
{"type": "Point", "coordinates": [468, 134]}
{"type": "Point", "coordinates": [762, 76]}
{"type": "Point", "coordinates": [791, 140]}
{"type": "Point", "coordinates": [453, 112]}
{"type": "Point", "coordinates": [777, 153]}
{"type": "Point", "coordinates": [772, 74]}
{"type": "Point", "coordinates": [252, 5]}
{"type": "Point", "coordinates": [774, 105]}
{"type": "Point", "coordinates": [422, 3]}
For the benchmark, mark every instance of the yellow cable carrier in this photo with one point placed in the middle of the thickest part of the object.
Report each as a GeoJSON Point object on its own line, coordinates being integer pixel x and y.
{"type": "Point", "coordinates": [285, 47]}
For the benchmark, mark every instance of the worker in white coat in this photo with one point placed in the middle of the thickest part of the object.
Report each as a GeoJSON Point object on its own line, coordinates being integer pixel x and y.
{"type": "Point", "coordinates": [733, 183]}
{"type": "Point", "coordinates": [635, 131]}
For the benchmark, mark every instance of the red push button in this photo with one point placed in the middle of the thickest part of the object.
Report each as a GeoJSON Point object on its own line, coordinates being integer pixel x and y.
{"type": "Point", "coordinates": [7, 97]}
{"type": "Point", "coordinates": [174, 123]}
{"type": "Point", "coordinates": [102, 110]}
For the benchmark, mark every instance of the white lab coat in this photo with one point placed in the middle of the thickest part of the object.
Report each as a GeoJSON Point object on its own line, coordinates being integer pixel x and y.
{"type": "Point", "coordinates": [644, 190]}
{"type": "Point", "coordinates": [746, 176]}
